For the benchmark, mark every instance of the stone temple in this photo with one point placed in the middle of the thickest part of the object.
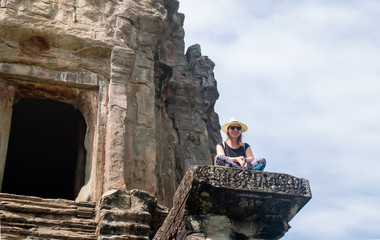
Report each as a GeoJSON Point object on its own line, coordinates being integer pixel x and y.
{"type": "Point", "coordinates": [108, 131]}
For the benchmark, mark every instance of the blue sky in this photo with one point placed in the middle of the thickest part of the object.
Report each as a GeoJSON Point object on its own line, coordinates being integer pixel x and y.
{"type": "Point", "coordinates": [305, 77]}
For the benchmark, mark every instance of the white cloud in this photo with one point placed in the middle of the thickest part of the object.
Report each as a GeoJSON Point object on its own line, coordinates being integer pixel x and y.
{"type": "Point", "coordinates": [353, 219]}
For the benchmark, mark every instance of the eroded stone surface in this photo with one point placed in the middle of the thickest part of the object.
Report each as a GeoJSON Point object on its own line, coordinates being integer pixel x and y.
{"type": "Point", "coordinates": [249, 204]}
{"type": "Point", "coordinates": [119, 214]}
{"type": "Point", "coordinates": [131, 214]}
{"type": "Point", "coordinates": [25, 217]}
{"type": "Point", "coordinates": [151, 113]}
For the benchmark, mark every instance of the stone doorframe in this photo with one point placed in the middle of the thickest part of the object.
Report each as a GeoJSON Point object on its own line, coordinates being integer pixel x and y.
{"type": "Point", "coordinates": [87, 92]}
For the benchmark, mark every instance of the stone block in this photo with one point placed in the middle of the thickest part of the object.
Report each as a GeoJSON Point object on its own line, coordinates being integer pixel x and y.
{"type": "Point", "coordinates": [249, 204]}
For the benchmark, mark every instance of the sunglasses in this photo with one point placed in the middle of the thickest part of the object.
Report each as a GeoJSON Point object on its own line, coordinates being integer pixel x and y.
{"type": "Point", "coordinates": [233, 127]}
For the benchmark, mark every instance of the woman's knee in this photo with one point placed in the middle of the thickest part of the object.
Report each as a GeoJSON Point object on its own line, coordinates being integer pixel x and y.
{"type": "Point", "coordinates": [257, 164]}
{"type": "Point", "coordinates": [219, 160]}
{"type": "Point", "coordinates": [262, 161]}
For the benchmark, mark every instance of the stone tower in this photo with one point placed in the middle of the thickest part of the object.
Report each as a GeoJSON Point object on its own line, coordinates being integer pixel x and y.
{"type": "Point", "coordinates": [108, 81]}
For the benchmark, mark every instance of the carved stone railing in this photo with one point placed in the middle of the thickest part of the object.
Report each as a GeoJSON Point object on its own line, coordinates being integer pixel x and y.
{"type": "Point", "coordinates": [226, 203]}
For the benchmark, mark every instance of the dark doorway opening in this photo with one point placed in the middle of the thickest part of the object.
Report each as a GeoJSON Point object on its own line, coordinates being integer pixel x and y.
{"type": "Point", "coordinates": [46, 156]}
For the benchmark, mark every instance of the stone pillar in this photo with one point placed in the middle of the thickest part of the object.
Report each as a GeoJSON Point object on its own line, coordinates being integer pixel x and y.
{"type": "Point", "coordinates": [141, 126]}
{"type": "Point", "coordinates": [116, 135]}
{"type": "Point", "coordinates": [6, 103]}
{"type": "Point", "coordinates": [97, 172]}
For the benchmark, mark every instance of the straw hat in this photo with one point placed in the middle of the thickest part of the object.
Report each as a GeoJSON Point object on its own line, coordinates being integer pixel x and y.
{"type": "Point", "coordinates": [234, 121]}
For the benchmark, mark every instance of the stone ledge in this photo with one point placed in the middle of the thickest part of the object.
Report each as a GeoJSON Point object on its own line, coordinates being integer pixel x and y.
{"type": "Point", "coordinates": [253, 181]}
{"type": "Point", "coordinates": [26, 72]}
{"type": "Point", "coordinates": [264, 201]}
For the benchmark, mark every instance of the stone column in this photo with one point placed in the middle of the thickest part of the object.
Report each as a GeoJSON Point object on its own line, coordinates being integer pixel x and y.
{"type": "Point", "coordinates": [97, 173]}
{"type": "Point", "coordinates": [141, 126]}
{"type": "Point", "coordinates": [116, 135]}
{"type": "Point", "coordinates": [6, 103]}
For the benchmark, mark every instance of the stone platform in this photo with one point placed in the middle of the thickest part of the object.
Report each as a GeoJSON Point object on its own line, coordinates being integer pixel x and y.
{"type": "Point", "coordinates": [226, 203]}
{"type": "Point", "coordinates": [211, 203]}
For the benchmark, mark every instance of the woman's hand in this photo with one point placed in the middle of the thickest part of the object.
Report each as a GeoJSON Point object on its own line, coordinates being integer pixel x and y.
{"type": "Point", "coordinates": [241, 161]}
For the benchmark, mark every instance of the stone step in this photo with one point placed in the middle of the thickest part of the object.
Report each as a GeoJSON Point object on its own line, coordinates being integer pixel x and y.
{"type": "Point", "coordinates": [21, 233]}
{"type": "Point", "coordinates": [45, 201]}
{"type": "Point", "coordinates": [30, 204]}
{"type": "Point", "coordinates": [38, 218]}
{"type": "Point", "coordinates": [28, 222]}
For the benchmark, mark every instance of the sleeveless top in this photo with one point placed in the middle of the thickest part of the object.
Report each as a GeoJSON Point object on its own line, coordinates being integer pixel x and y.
{"type": "Point", "coordinates": [230, 152]}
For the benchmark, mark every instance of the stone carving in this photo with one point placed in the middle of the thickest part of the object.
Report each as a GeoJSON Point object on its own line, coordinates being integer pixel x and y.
{"type": "Point", "coordinates": [228, 203]}
{"type": "Point", "coordinates": [132, 214]}
{"type": "Point", "coordinates": [151, 112]}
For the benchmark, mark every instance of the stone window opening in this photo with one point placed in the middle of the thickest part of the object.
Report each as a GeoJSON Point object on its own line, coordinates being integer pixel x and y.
{"type": "Point", "coordinates": [46, 156]}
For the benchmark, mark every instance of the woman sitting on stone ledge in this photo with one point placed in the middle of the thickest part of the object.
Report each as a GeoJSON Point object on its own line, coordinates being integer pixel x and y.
{"type": "Point", "coordinates": [233, 152]}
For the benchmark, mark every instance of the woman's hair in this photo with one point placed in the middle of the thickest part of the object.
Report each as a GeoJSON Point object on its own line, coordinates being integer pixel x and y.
{"type": "Point", "coordinates": [239, 140]}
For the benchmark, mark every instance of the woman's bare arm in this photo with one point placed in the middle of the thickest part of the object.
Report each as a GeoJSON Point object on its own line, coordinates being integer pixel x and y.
{"type": "Point", "coordinates": [249, 155]}
{"type": "Point", "coordinates": [219, 150]}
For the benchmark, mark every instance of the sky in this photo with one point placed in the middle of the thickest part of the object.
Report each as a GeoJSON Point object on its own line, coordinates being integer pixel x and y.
{"type": "Point", "coordinates": [305, 77]}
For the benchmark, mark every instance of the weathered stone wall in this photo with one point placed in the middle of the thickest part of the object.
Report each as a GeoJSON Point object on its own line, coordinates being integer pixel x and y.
{"type": "Point", "coordinates": [148, 107]}
{"type": "Point", "coordinates": [190, 128]}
